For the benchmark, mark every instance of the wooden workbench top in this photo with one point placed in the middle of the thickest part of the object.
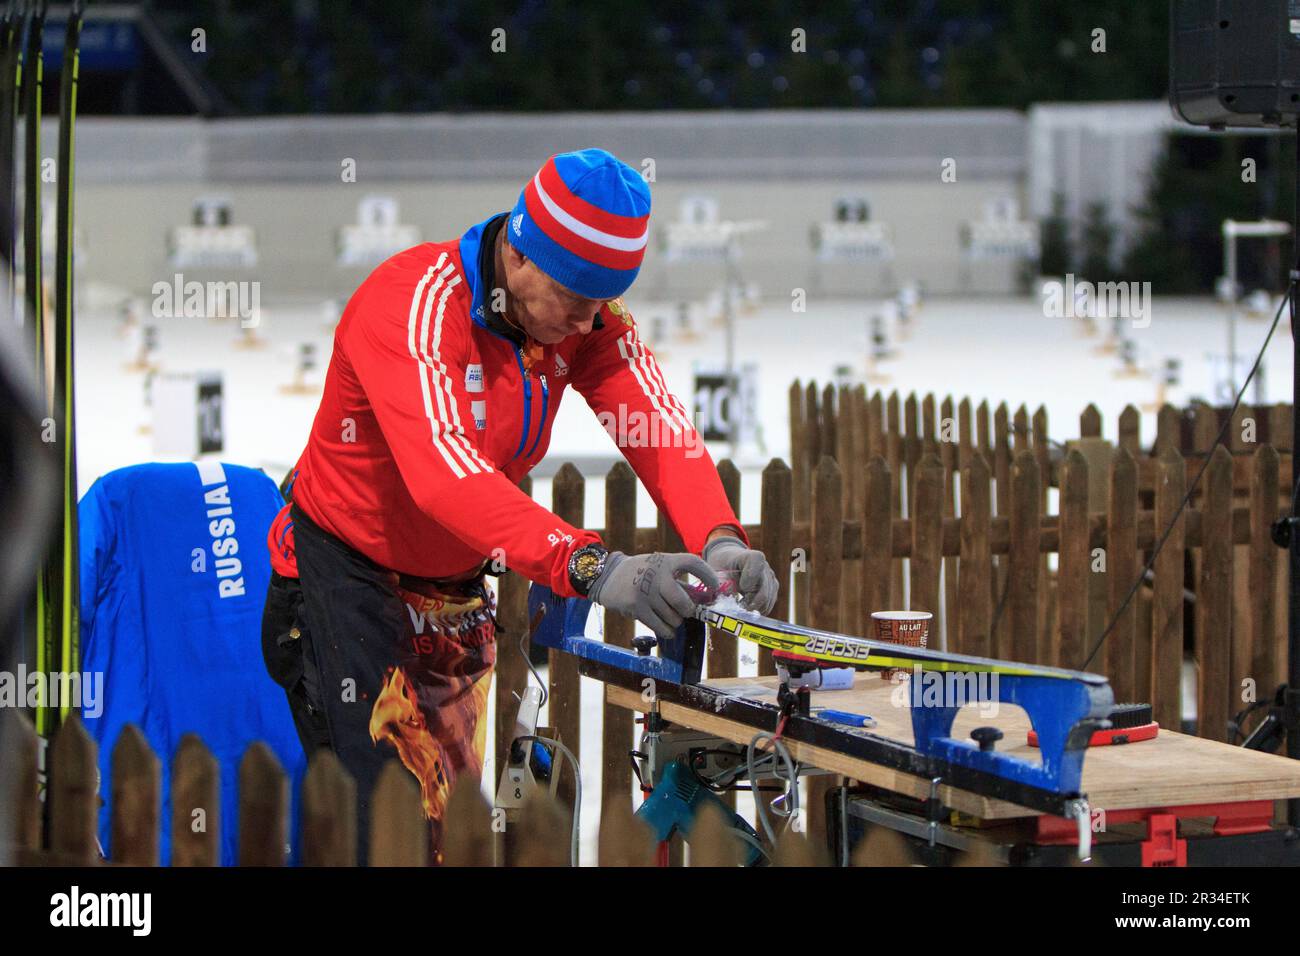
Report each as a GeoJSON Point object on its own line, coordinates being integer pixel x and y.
{"type": "Point", "coordinates": [1172, 770]}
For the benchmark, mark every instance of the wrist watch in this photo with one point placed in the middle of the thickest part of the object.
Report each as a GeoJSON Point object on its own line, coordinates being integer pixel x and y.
{"type": "Point", "coordinates": [585, 566]}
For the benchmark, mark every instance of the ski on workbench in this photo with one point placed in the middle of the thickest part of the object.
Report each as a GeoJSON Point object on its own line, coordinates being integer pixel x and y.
{"type": "Point", "coordinates": [842, 650]}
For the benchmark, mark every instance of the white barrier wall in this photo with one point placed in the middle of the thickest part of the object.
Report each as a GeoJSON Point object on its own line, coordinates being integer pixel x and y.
{"type": "Point", "coordinates": [296, 181]}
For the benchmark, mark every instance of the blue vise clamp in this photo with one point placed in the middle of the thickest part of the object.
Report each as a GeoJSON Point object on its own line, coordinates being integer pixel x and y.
{"type": "Point", "coordinates": [1064, 710]}
{"type": "Point", "coordinates": [563, 623]}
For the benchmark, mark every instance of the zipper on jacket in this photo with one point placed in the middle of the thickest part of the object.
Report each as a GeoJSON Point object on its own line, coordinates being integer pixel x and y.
{"type": "Point", "coordinates": [528, 402]}
{"type": "Point", "coordinates": [541, 422]}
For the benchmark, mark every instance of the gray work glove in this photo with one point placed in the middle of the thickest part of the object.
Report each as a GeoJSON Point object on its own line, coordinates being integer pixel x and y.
{"type": "Point", "coordinates": [758, 584]}
{"type": "Point", "coordinates": [646, 587]}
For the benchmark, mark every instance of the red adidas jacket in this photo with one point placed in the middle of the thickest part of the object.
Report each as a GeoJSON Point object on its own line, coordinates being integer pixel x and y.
{"type": "Point", "coordinates": [430, 417]}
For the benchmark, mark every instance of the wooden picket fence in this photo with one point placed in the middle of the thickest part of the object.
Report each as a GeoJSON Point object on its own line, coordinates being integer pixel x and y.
{"type": "Point", "coordinates": [946, 503]}
{"type": "Point", "coordinates": [474, 835]}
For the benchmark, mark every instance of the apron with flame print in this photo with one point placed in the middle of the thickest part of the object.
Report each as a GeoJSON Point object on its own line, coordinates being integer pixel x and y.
{"type": "Point", "coordinates": [433, 703]}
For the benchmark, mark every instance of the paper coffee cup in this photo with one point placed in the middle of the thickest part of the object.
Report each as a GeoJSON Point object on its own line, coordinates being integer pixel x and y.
{"type": "Point", "coordinates": [911, 628]}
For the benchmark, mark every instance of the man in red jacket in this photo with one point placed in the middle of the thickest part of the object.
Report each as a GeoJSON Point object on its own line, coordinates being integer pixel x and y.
{"type": "Point", "coordinates": [449, 365]}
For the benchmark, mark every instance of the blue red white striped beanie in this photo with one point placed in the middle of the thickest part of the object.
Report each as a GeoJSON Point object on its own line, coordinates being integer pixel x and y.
{"type": "Point", "coordinates": [584, 220]}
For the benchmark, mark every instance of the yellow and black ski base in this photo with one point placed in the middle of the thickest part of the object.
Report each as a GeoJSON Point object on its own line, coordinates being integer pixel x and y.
{"type": "Point", "coordinates": [827, 649]}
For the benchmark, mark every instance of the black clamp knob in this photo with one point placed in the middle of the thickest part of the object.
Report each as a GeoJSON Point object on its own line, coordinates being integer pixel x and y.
{"type": "Point", "coordinates": [986, 737]}
{"type": "Point", "coordinates": [644, 644]}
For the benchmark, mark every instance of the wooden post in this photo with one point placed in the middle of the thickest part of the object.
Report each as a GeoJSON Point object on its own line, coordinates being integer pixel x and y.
{"type": "Point", "coordinates": [1074, 570]}
{"type": "Point", "coordinates": [564, 704]}
{"type": "Point", "coordinates": [1039, 444]}
{"type": "Point", "coordinates": [927, 536]}
{"type": "Point", "coordinates": [777, 523]}
{"type": "Point", "coordinates": [803, 503]}
{"type": "Point", "coordinates": [1090, 423]}
{"type": "Point", "coordinates": [794, 849]}
{"type": "Point", "coordinates": [830, 439]}
{"type": "Point", "coordinates": [949, 453]}
{"type": "Point", "coordinates": [827, 544]}
{"type": "Point", "coordinates": [1169, 429]}
{"type": "Point", "coordinates": [134, 806]}
{"type": "Point", "coordinates": [1280, 427]}
{"type": "Point", "coordinates": [264, 808]}
{"type": "Point", "coordinates": [827, 556]}
{"type": "Point", "coordinates": [982, 440]}
{"type": "Point", "coordinates": [1205, 427]}
{"type": "Point", "coordinates": [862, 452]}
{"type": "Point", "coordinates": [713, 843]}
{"type": "Point", "coordinates": [72, 792]}
{"type": "Point", "coordinates": [929, 437]}
{"type": "Point", "coordinates": [1235, 438]}
{"type": "Point", "coordinates": [1130, 431]}
{"type": "Point", "coordinates": [1214, 600]}
{"type": "Point", "coordinates": [877, 541]}
{"type": "Point", "coordinates": [329, 813]}
{"type": "Point", "coordinates": [1099, 454]}
{"type": "Point", "coordinates": [544, 831]}
{"type": "Point", "coordinates": [1167, 621]}
{"type": "Point", "coordinates": [877, 429]}
{"type": "Point", "coordinates": [976, 561]}
{"type": "Point", "coordinates": [20, 803]}
{"type": "Point", "coordinates": [624, 839]}
{"type": "Point", "coordinates": [911, 440]}
{"type": "Point", "coordinates": [1001, 460]}
{"type": "Point", "coordinates": [894, 454]}
{"type": "Point", "coordinates": [966, 441]}
{"type": "Point", "coordinates": [196, 805]}
{"type": "Point", "coordinates": [1128, 680]}
{"type": "Point", "coordinates": [1020, 430]}
{"type": "Point", "coordinates": [399, 832]}
{"type": "Point", "coordinates": [511, 669]}
{"type": "Point", "coordinates": [1022, 561]}
{"type": "Point", "coordinates": [851, 461]}
{"type": "Point", "coordinates": [617, 737]}
{"type": "Point", "coordinates": [795, 401]}
{"type": "Point", "coordinates": [467, 835]}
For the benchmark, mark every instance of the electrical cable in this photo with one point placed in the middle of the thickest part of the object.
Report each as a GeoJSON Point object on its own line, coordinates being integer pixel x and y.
{"type": "Point", "coordinates": [793, 780]}
{"type": "Point", "coordinates": [577, 794]}
{"type": "Point", "coordinates": [523, 652]}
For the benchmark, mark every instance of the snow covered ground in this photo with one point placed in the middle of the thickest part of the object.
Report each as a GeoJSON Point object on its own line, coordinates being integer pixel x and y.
{"type": "Point", "coordinates": [999, 349]}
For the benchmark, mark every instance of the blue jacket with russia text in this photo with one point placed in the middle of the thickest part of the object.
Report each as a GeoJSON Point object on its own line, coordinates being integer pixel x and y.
{"type": "Point", "coordinates": [174, 573]}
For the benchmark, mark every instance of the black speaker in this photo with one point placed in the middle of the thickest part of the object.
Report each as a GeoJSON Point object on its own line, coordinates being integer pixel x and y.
{"type": "Point", "coordinates": [1235, 62]}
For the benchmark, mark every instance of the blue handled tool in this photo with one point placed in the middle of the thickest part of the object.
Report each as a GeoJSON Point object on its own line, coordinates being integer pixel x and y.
{"type": "Point", "coordinates": [676, 802]}
{"type": "Point", "coordinates": [844, 717]}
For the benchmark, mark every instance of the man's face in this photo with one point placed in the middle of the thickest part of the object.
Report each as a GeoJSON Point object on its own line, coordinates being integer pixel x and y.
{"type": "Point", "coordinates": [548, 312]}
